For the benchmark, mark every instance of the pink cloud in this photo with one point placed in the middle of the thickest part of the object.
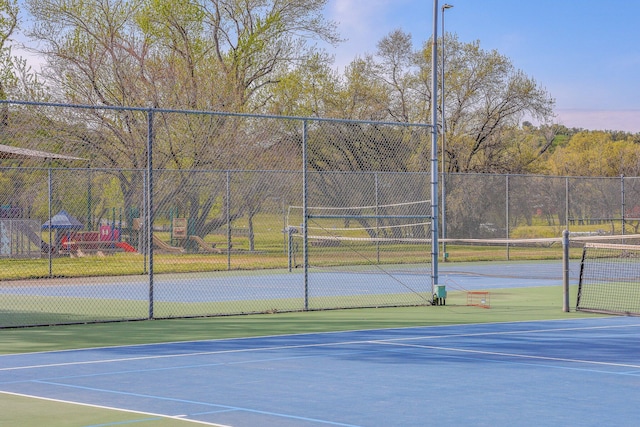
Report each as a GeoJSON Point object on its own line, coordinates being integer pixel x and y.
{"type": "Point", "coordinates": [623, 120]}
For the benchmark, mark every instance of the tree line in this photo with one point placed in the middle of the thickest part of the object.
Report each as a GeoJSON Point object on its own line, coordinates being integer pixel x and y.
{"type": "Point", "coordinates": [261, 57]}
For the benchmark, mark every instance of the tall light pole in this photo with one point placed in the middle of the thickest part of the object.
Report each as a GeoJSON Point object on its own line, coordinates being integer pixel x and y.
{"type": "Point", "coordinates": [434, 157]}
{"type": "Point", "coordinates": [443, 202]}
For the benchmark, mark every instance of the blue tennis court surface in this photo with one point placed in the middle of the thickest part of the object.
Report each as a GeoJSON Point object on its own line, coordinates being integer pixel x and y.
{"type": "Point", "coordinates": [569, 372]}
{"type": "Point", "coordinates": [236, 286]}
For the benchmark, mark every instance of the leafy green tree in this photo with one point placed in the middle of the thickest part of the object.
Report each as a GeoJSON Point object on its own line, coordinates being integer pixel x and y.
{"type": "Point", "coordinates": [219, 55]}
{"type": "Point", "coordinates": [310, 89]}
{"type": "Point", "coordinates": [8, 24]}
{"type": "Point", "coordinates": [211, 55]}
{"type": "Point", "coordinates": [395, 69]}
{"type": "Point", "coordinates": [595, 153]}
{"type": "Point", "coordinates": [486, 98]}
{"type": "Point", "coordinates": [17, 79]}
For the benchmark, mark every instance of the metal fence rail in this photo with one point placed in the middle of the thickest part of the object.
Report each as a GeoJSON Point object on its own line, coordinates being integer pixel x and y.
{"type": "Point", "coordinates": [182, 213]}
{"type": "Point", "coordinates": [167, 213]}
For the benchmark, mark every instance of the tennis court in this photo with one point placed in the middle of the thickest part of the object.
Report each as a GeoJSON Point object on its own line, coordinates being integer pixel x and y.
{"type": "Point", "coordinates": [476, 367]}
{"type": "Point", "coordinates": [265, 284]}
{"type": "Point", "coordinates": [85, 299]}
{"type": "Point", "coordinates": [573, 372]}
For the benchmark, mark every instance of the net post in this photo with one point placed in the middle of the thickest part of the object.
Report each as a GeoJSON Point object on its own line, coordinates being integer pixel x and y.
{"type": "Point", "coordinates": [565, 271]}
{"type": "Point", "coordinates": [305, 215]}
{"type": "Point", "coordinates": [150, 211]}
{"type": "Point", "coordinates": [289, 231]}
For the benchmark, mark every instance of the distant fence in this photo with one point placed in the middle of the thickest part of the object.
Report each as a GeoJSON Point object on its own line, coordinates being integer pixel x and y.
{"type": "Point", "coordinates": [185, 214]}
{"type": "Point", "coordinates": [530, 206]}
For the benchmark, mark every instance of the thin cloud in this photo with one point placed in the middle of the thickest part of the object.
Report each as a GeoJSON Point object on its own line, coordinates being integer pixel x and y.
{"type": "Point", "coordinates": [623, 120]}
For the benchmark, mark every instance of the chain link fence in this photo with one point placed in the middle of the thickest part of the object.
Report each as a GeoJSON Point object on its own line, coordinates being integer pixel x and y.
{"type": "Point", "coordinates": [531, 206]}
{"type": "Point", "coordinates": [163, 214]}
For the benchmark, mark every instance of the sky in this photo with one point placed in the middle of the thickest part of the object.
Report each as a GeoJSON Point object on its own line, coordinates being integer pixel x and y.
{"type": "Point", "coordinates": [585, 53]}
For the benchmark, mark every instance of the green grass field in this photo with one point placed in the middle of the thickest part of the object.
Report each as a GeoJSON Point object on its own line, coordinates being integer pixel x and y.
{"type": "Point", "coordinates": [507, 305]}
{"type": "Point", "coordinates": [270, 251]}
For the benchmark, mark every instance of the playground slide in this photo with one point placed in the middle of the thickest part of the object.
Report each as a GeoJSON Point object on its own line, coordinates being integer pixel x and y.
{"type": "Point", "coordinates": [165, 246]}
{"type": "Point", "coordinates": [127, 247]}
{"type": "Point", "coordinates": [35, 239]}
{"type": "Point", "coordinates": [204, 245]}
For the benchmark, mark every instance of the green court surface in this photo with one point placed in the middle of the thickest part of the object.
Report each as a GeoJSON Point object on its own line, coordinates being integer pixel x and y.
{"type": "Point", "coordinates": [28, 412]}
{"type": "Point", "coordinates": [507, 305]}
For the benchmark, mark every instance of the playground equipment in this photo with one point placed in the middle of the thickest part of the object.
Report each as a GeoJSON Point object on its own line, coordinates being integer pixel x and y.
{"type": "Point", "coordinates": [181, 240]}
{"type": "Point", "coordinates": [19, 238]}
{"type": "Point", "coordinates": [165, 246]}
{"type": "Point", "coordinates": [62, 224]}
{"type": "Point", "coordinates": [105, 241]}
{"type": "Point", "coordinates": [125, 247]}
{"type": "Point", "coordinates": [204, 245]}
{"type": "Point", "coordinates": [70, 239]}
{"type": "Point", "coordinates": [23, 237]}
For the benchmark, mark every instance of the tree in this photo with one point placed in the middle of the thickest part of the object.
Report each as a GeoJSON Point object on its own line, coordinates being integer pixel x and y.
{"type": "Point", "coordinates": [255, 41]}
{"type": "Point", "coordinates": [8, 24]}
{"type": "Point", "coordinates": [485, 97]}
{"type": "Point", "coordinates": [311, 89]}
{"type": "Point", "coordinates": [210, 55]}
{"type": "Point", "coordinates": [362, 97]}
{"type": "Point", "coordinates": [17, 79]}
{"type": "Point", "coordinates": [595, 153]}
{"type": "Point", "coordinates": [521, 150]}
{"type": "Point", "coordinates": [485, 100]}
{"type": "Point", "coordinates": [219, 55]}
{"type": "Point", "coordinates": [396, 71]}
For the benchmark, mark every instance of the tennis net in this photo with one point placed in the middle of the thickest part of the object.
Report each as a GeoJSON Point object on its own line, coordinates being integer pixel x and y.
{"type": "Point", "coordinates": [610, 279]}
{"type": "Point", "coordinates": [372, 255]}
{"type": "Point", "coordinates": [363, 235]}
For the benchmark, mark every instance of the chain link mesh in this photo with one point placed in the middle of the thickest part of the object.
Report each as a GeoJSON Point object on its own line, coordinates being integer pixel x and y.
{"type": "Point", "coordinates": [83, 240]}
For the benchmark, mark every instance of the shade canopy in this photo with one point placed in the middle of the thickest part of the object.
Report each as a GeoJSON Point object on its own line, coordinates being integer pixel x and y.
{"type": "Point", "coordinates": [63, 221]}
{"type": "Point", "coordinates": [9, 152]}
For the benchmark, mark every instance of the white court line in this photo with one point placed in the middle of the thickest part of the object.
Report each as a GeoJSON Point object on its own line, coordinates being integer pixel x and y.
{"type": "Point", "coordinates": [400, 342]}
{"type": "Point", "coordinates": [168, 356]}
{"type": "Point", "coordinates": [528, 331]}
{"type": "Point", "coordinates": [513, 355]}
{"type": "Point", "coordinates": [401, 328]}
{"type": "Point", "coordinates": [89, 405]}
{"type": "Point", "coordinates": [192, 366]}
{"type": "Point", "coordinates": [332, 344]}
{"type": "Point", "coordinates": [206, 404]}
